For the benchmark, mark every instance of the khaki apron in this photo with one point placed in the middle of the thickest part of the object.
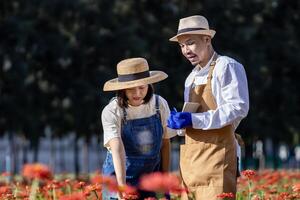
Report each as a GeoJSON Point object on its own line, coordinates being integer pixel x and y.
{"type": "Point", "coordinates": [208, 160]}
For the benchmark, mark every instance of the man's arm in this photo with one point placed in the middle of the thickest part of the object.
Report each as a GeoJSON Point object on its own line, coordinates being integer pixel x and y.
{"type": "Point", "coordinates": [234, 92]}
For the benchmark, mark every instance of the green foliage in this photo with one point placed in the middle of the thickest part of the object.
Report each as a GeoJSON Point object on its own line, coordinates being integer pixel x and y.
{"type": "Point", "coordinates": [56, 56]}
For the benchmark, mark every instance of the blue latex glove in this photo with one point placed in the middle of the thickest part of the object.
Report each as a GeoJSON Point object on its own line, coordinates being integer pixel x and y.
{"type": "Point", "coordinates": [179, 120]}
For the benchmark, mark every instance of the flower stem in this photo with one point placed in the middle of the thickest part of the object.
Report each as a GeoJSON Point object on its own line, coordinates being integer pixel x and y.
{"type": "Point", "coordinates": [250, 189]}
{"type": "Point", "coordinates": [95, 193]}
{"type": "Point", "coordinates": [54, 194]}
{"type": "Point", "coordinates": [159, 195]}
{"type": "Point", "coordinates": [33, 189]}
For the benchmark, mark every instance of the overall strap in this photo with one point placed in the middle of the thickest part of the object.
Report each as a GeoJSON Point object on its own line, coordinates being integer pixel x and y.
{"type": "Point", "coordinates": [157, 106]}
{"type": "Point", "coordinates": [124, 119]}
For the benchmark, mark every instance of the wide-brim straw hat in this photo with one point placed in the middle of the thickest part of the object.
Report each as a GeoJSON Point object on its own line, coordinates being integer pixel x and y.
{"type": "Point", "coordinates": [133, 72]}
{"type": "Point", "coordinates": [196, 24]}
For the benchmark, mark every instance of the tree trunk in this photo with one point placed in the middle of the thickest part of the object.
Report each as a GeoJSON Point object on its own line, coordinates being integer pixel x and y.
{"type": "Point", "coordinates": [24, 150]}
{"type": "Point", "coordinates": [36, 150]}
{"type": "Point", "coordinates": [10, 157]}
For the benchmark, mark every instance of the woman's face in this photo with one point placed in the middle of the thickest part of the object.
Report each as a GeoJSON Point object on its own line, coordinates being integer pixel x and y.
{"type": "Point", "coordinates": [136, 95]}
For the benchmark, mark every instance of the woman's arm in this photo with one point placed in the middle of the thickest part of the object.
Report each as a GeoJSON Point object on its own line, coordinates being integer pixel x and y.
{"type": "Point", "coordinates": [165, 155]}
{"type": "Point", "coordinates": [118, 155]}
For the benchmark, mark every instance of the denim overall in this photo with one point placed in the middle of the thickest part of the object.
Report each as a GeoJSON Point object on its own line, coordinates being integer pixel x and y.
{"type": "Point", "coordinates": [142, 139]}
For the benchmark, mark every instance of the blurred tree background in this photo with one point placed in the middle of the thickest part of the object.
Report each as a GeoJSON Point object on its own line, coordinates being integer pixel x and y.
{"type": "Point", "coordinates": [56, 55]}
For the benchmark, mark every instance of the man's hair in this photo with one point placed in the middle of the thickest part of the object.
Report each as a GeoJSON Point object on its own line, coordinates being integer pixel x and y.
{"type": "Point", "coordinates": [123, 100]}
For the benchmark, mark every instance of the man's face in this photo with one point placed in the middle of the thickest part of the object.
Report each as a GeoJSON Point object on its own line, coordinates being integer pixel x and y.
{"type": "Point", "coordinates": [195, 48]}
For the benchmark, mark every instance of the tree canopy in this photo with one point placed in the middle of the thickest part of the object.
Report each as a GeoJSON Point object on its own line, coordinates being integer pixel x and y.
{"type": "Point", "coordinates": [56, 56]}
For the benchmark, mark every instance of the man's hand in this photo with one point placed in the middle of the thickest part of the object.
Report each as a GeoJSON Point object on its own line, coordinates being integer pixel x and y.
{"type": "Point", "coordinates": [179, 120]}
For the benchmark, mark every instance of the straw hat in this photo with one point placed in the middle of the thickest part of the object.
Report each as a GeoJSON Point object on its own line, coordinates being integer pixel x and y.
{"type": "Point", "coordinates": [196, 24]}
{"type": "Point", "coordinates": [133, 72]}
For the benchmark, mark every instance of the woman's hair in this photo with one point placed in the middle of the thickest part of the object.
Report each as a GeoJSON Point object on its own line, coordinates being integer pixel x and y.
{"type": "Point", "coordinates": [122, 98]}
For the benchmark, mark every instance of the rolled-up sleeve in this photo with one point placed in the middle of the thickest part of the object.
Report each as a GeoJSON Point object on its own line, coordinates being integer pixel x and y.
{"type": "Point", "coordinates": [232, 102]}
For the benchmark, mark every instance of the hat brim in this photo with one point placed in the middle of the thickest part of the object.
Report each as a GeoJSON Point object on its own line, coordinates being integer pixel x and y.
{"type": "Point", "coordinates": [114, 84]}
{"type": "Point", "coordinates": [209, 32]}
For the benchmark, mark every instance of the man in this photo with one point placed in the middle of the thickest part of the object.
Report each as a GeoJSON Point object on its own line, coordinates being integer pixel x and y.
{"type": "Point", "coordinates": [208, 162]}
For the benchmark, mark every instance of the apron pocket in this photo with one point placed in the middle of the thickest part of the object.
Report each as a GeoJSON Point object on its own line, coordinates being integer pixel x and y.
{"type": "Point", "coordinates": [202, 164]}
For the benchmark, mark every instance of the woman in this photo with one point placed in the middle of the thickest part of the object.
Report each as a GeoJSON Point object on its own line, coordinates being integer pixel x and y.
{"type": "Point", "coordinates": [134, 126]}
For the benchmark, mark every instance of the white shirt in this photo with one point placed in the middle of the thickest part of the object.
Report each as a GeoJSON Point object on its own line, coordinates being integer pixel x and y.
{"type": "Point", "coordinates": [112, 115]}
{"type": "Point", "coordinates": [230, 89]}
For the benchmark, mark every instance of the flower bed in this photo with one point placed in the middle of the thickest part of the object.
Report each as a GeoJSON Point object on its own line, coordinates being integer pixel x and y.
{"type": "Point", "coordinates": [38, 183]}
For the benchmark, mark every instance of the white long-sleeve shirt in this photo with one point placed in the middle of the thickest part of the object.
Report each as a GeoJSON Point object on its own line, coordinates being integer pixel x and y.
{"type": "Point", "coordinates": [230, 89]}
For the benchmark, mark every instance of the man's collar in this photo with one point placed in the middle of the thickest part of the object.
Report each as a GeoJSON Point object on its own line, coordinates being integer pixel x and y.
{"type": "Point", "coordinates": [198, 67]}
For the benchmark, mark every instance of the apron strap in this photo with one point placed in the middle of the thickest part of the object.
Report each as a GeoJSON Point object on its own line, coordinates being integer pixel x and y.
{"type": "Point", "coordinates": [212, 66]}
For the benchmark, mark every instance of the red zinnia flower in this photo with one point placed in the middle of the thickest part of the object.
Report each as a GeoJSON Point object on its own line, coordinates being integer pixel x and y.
{"type": "Point", "coordinates": [5, 174]}
{"type": "Point", "coordinates": [248, 173]}
{"type": "Point", "coordinates": [75, 196]}
{"type": "Point", "coordinates": [110, 183]}
{"type": "Point", "coordinates": [36, 170]}
{"type": "Point", "coordinates": [296, 187]}
{"type": "Point", "coordinates": [97, 178]}
{"type": "Point", "coordinates": [225, 195]}
{"type": "Point", "coordinates": [129, 192]}
{"type": "Point", "coordinates": [5, 190]}
{"type": "Point", "coordinates": [160, 182]}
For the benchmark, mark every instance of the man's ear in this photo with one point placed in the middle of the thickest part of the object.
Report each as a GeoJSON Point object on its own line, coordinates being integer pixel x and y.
{"type": "Point", "coordinates": [207, 39]}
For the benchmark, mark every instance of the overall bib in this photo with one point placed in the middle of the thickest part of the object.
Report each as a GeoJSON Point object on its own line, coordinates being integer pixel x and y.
{"type": "Point", "coordinates": [208, 157]}
{"type": "Point", "coordinates": [142, 139]}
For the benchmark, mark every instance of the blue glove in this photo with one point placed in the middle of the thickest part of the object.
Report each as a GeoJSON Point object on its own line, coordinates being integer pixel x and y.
{"type": "Point", "coordinates": [179, 120]}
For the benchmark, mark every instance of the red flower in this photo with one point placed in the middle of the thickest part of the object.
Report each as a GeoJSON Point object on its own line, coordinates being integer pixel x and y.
{"type": "Point", "coordinates": [97, 179]}
{"type": "Point", "coordinates": [248, 173]}
{"type": "Point", "coordinates": [5, 190]}
{"type": "Point", "coordinates": [284, 196]}
{"type": "Point", "coordinates": [128, 189]}
{"type": "Point", "coordinates": [92, 188]}
{"type": "Point", "coordinates": [160, 182]}
{"type": "Point", "coordinates": [129, 192]}
{"type": "Point", "coordinates": [75, 196]}
{"type": "Point", "coordinates": [36, 170]}
{"type": "Point", "coordinates": [5, 174]}
{"type": "Point", "coordinates": [296, 187]}
{"type": "Point", "coordinates": [110, 183]}
{"type": "Point", "coordinates": [22, 194]}
{"type": "Point", "coordinates": [225, 195]}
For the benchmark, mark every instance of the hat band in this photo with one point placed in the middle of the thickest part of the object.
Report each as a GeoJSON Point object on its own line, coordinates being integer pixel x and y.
{"type": "Point", "coordinates": [133, 77]}
{"type": "Point", "coordinates": [189, 29]}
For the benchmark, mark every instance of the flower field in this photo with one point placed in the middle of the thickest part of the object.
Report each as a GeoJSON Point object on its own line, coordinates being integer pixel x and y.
{"type": "Point", "coordinates": [38, 183]}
